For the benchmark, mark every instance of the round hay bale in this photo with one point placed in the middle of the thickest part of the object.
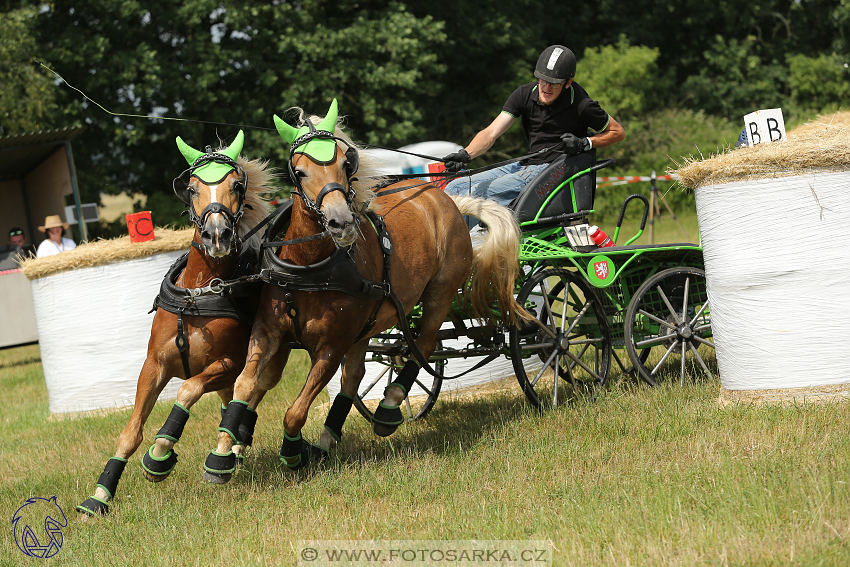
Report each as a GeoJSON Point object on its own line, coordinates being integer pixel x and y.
{"type": "Point", "coordinates": [771, 219]}
{"type": "Point", "coordinates": [91, 307]}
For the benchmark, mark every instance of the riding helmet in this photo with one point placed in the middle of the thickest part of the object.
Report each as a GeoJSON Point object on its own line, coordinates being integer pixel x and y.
{"type": "Point", "coordinates": [556, 64]}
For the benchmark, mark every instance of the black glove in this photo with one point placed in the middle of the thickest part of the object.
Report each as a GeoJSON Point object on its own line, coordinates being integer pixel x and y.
{"type": "Point", "coordinates": [456, 161]}
{"type": "Point", "coordinates": [573, 144]}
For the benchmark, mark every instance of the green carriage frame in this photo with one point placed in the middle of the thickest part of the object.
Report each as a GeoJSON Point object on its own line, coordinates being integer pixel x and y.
{"type": "Point", "coordinates": [653, 298]}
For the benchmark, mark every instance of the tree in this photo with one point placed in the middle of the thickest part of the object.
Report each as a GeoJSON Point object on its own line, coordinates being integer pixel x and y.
{"type": "Point", "coordinates": [27, 96]}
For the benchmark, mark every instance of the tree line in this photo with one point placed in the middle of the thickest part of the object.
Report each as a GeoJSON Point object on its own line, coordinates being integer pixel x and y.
{"type": "Point", "coordinates": [678, 75]}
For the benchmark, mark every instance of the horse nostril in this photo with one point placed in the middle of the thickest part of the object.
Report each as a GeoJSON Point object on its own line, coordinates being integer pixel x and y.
{"type": "Point", "coordinates": [226, 234]}
{"type": "Point", "coordinates": [205, 235]}
{"type": "Point", "coordinates": [335, 224]}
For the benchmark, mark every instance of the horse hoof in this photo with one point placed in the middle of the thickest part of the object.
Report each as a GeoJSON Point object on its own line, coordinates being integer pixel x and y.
{"type": "Point", "coordinates": [217, 478]}
{"type": "Point", "coordinates": [386, 420]}
{"type": "Point", "coordinates": [93, 507]}
{"type": "Point", "coordinates": [157, 469]}
{"type": "Point", "coordinates": [218, 468]}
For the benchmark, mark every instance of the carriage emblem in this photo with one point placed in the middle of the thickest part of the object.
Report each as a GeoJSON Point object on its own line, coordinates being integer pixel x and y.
{"type": "Point", "coordinates": [41, 513]}
{"type": "Point", "coordinates": [601, 269]}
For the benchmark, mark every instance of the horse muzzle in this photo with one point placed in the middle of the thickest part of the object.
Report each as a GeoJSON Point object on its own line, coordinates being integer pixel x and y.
{"type": "Point", "coordinates": [217, 235]}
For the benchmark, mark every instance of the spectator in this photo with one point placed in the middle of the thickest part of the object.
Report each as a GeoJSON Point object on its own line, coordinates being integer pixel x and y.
{"type": "Point", "coordinates": [19, 239]}
{"type": "Point", "coordinates": [54, 241]}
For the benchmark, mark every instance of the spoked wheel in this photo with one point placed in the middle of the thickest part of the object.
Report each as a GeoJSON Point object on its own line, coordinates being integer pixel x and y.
{"type": "Point", "coordinates": [569, 337]}
{"type": "Point", "coordinates": [417, 404]}
{"type": "Point", "coordinates": [669, 315]}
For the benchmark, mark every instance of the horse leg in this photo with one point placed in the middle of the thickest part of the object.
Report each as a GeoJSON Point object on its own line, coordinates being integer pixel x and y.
{"type": "Point", "coordinates": [152, 380]}
{"type": "Point", "coordinates": [295, 452]}
{"type": "Point", "coordinates": [352, 374]}
{"type": "Point", "coordinates": [265, 363]}
{"type": "Point", "coordinates": [160, 459]}
{"type": "Point", "coordinates": [246, 427]}
{"type": "Point", "coordinates": [435, 306]}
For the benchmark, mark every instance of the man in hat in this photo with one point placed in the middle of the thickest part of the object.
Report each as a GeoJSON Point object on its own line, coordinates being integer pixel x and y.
{"type": "Point", "coordinates": [54, 243]}
{"type": "Point", "coordinates": [19, 239]}
{"type": "Point", "coordinates": [555, 111]}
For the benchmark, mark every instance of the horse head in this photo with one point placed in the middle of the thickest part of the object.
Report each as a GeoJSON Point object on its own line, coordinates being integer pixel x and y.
{"type": "Point", "coordinates": [323, 172]}
{"type": "Point", "coordinates": [214, 194]}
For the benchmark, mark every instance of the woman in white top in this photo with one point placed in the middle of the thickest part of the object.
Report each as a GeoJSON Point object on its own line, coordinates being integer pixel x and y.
{"type": "Point", "coordinates": [54, 243]}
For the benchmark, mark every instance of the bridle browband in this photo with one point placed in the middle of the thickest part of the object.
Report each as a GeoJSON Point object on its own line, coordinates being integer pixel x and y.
{"type": "Point", "coordinates": [241, 189]}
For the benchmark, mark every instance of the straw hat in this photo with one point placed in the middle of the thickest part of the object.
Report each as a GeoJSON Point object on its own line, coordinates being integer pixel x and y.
{"type": "Point", "coordinates": [52, 221]}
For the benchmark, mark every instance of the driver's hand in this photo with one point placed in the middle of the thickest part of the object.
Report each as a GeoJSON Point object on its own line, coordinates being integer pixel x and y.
{"type": "Point", "coordinates": [572, 144]}
{"type": "Point", "coordinates": [455, 162]}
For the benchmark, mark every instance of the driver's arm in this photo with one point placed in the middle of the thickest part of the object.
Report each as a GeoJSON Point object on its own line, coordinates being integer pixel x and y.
{"type": "Point", "coordinates": [612, 134]}
{"type": "Point", "coordinates": [484, 139]}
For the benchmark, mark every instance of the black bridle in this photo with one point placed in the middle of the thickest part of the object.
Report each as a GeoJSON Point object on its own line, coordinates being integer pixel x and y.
{"type": "Point", "coordinates": [181, 189]}
{"type": "Point", "coordinates": [352, 164]}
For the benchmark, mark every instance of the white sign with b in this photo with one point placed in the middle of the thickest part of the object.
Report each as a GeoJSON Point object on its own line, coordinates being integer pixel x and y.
{"type": "Point", "coordinates": [765, 126]}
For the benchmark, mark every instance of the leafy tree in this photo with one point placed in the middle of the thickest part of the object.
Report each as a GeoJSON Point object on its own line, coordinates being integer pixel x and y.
{"type": "Point", "coordinates": [27, 96]}
{"type": "Point", "coordinates": [817, 82]}
{"type": "Point", "coordinates": [623, 78]}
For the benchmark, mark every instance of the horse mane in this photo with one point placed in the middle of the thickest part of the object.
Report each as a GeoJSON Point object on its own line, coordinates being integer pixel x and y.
{"type": "Point", "coordinates": [364, 182]}
{"type": "Point", "coordinates": [260, 183]}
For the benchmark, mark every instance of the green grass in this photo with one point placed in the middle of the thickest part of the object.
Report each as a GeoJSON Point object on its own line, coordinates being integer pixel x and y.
{"type": "Point", "coordinates": [641, 476]}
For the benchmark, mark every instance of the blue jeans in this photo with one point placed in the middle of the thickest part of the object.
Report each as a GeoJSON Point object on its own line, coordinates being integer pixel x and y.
{"type": "Point", "coordinates": [501, 184]}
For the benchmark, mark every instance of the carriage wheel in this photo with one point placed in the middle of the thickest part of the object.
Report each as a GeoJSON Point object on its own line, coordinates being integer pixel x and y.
{"type": "Point", "coordinates": [669, 315]}
{"type": "Point", "coordinates": [421, 399]}
{"type": "Point", "coordinates": [570, 335]}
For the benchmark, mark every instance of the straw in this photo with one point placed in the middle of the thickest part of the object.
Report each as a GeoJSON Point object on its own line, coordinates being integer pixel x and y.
{"type": "Point", "coordinates": [819, 146]}
{"type": "Point", "coordinates": [103, 252]}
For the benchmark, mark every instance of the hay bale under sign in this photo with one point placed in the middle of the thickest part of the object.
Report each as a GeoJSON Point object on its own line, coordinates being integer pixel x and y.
{"type": "Point", "coordinates": [91, 307]}
{"type": "Point", "coordinates": [772, 219]}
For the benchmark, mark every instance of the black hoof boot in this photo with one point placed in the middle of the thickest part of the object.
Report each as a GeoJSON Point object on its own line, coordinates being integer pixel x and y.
{"type": "Point", "coordinates": [157, 469]}
{"type": "Point", "coordinates": [386, 420]}
{"type": "Point", "coordinates": [218, 468]}
{"type": "Point", "coordinates": [94, 507]}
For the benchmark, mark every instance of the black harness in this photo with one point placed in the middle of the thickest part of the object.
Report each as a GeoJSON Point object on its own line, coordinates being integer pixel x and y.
{"type": "Point", "coordinates": [337, 272]}
{"type": "Point", "coordinates": [236, 298]}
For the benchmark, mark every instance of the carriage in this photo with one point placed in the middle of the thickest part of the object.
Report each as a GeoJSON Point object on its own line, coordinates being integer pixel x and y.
{"type": "Point", "coordinates": [588, 303]}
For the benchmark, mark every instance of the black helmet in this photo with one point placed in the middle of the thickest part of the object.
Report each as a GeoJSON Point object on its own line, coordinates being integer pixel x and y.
{"type": "Point", "coordinates": [556, 64]}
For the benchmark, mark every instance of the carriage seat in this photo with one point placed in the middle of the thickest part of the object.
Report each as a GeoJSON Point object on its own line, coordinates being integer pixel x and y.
{"type": "Point", "coordinates": [527, 204]}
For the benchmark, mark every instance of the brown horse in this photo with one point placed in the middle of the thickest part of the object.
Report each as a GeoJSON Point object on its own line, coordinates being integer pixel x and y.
{"type": "Point", "coordinates": [224, 197]}
{"type": "Point", "coordinates": [341, 290]}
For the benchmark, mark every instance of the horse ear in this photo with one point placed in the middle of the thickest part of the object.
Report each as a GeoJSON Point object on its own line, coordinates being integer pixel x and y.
{"type": "Point", "coordinates": [190, 153]}
{"type": "Point", "coordinates": [287, 132]}
{"type": "Point", "coordinates": [233, 149]}
{"type": "Point", "coordinates": [328, 123]}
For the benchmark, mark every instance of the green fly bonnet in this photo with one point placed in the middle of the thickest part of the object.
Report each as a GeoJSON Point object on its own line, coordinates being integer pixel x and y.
{"type": "Point", "coordinates": [211, 168]}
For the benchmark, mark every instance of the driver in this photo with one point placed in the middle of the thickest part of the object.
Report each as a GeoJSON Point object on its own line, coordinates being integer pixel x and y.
{"type": "Point", "coordinates": [554, 109]}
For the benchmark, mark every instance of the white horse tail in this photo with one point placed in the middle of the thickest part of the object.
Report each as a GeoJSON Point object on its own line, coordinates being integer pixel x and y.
{"type": "Point", "coordinates": [495, 263]}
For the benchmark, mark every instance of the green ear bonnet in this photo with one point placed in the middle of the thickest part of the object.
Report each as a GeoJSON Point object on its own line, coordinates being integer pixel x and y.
{"type": "Point", "coordinates": [321, 149]}
{"type": "Point", "coordinates": [212, 167]}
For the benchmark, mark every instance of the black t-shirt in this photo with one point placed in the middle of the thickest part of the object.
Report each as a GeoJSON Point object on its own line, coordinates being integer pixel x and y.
{"type": "Point", "coordinates": [573, 111]}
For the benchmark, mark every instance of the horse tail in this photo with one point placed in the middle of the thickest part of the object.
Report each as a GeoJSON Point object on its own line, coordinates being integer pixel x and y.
{"type": "Point", "coordinates": [495, 262]}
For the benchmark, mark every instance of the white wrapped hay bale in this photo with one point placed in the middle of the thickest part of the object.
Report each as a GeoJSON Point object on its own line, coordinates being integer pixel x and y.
{"type": "Point", "coordinates": [91, 307]}
{"type": "Point", "coordinates": [772, 220]}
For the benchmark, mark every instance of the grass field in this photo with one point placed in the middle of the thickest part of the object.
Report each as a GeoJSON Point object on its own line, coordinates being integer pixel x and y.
{"type": "Point", "coordinates": [637, 476]}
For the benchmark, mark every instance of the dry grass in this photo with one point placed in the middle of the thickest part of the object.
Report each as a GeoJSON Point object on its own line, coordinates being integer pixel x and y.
{"type": "Point", "coordinates": [819, 146]}
{"type": "Point", "coordinates": [102, 252]}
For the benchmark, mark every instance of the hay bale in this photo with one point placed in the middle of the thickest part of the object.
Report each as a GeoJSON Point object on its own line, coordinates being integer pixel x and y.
{"type": "Point", "coordinates": [771, 219]}
{"type": "Point", "coordinates": [103, 252]}
{"type": "Point", "coordinates": [92, 310]}
{"type": "Point", "coordinates": [820, 146]}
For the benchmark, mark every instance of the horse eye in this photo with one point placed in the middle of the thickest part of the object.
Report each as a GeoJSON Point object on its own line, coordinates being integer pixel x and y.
{"type": "Point", "coordinates": [237, 187]}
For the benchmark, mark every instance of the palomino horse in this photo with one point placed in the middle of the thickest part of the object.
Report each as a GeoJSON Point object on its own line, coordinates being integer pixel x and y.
{"type": "Point", "coordinates": [373, 270]}
{"type": "Point", "coordinates": [225, 202]}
